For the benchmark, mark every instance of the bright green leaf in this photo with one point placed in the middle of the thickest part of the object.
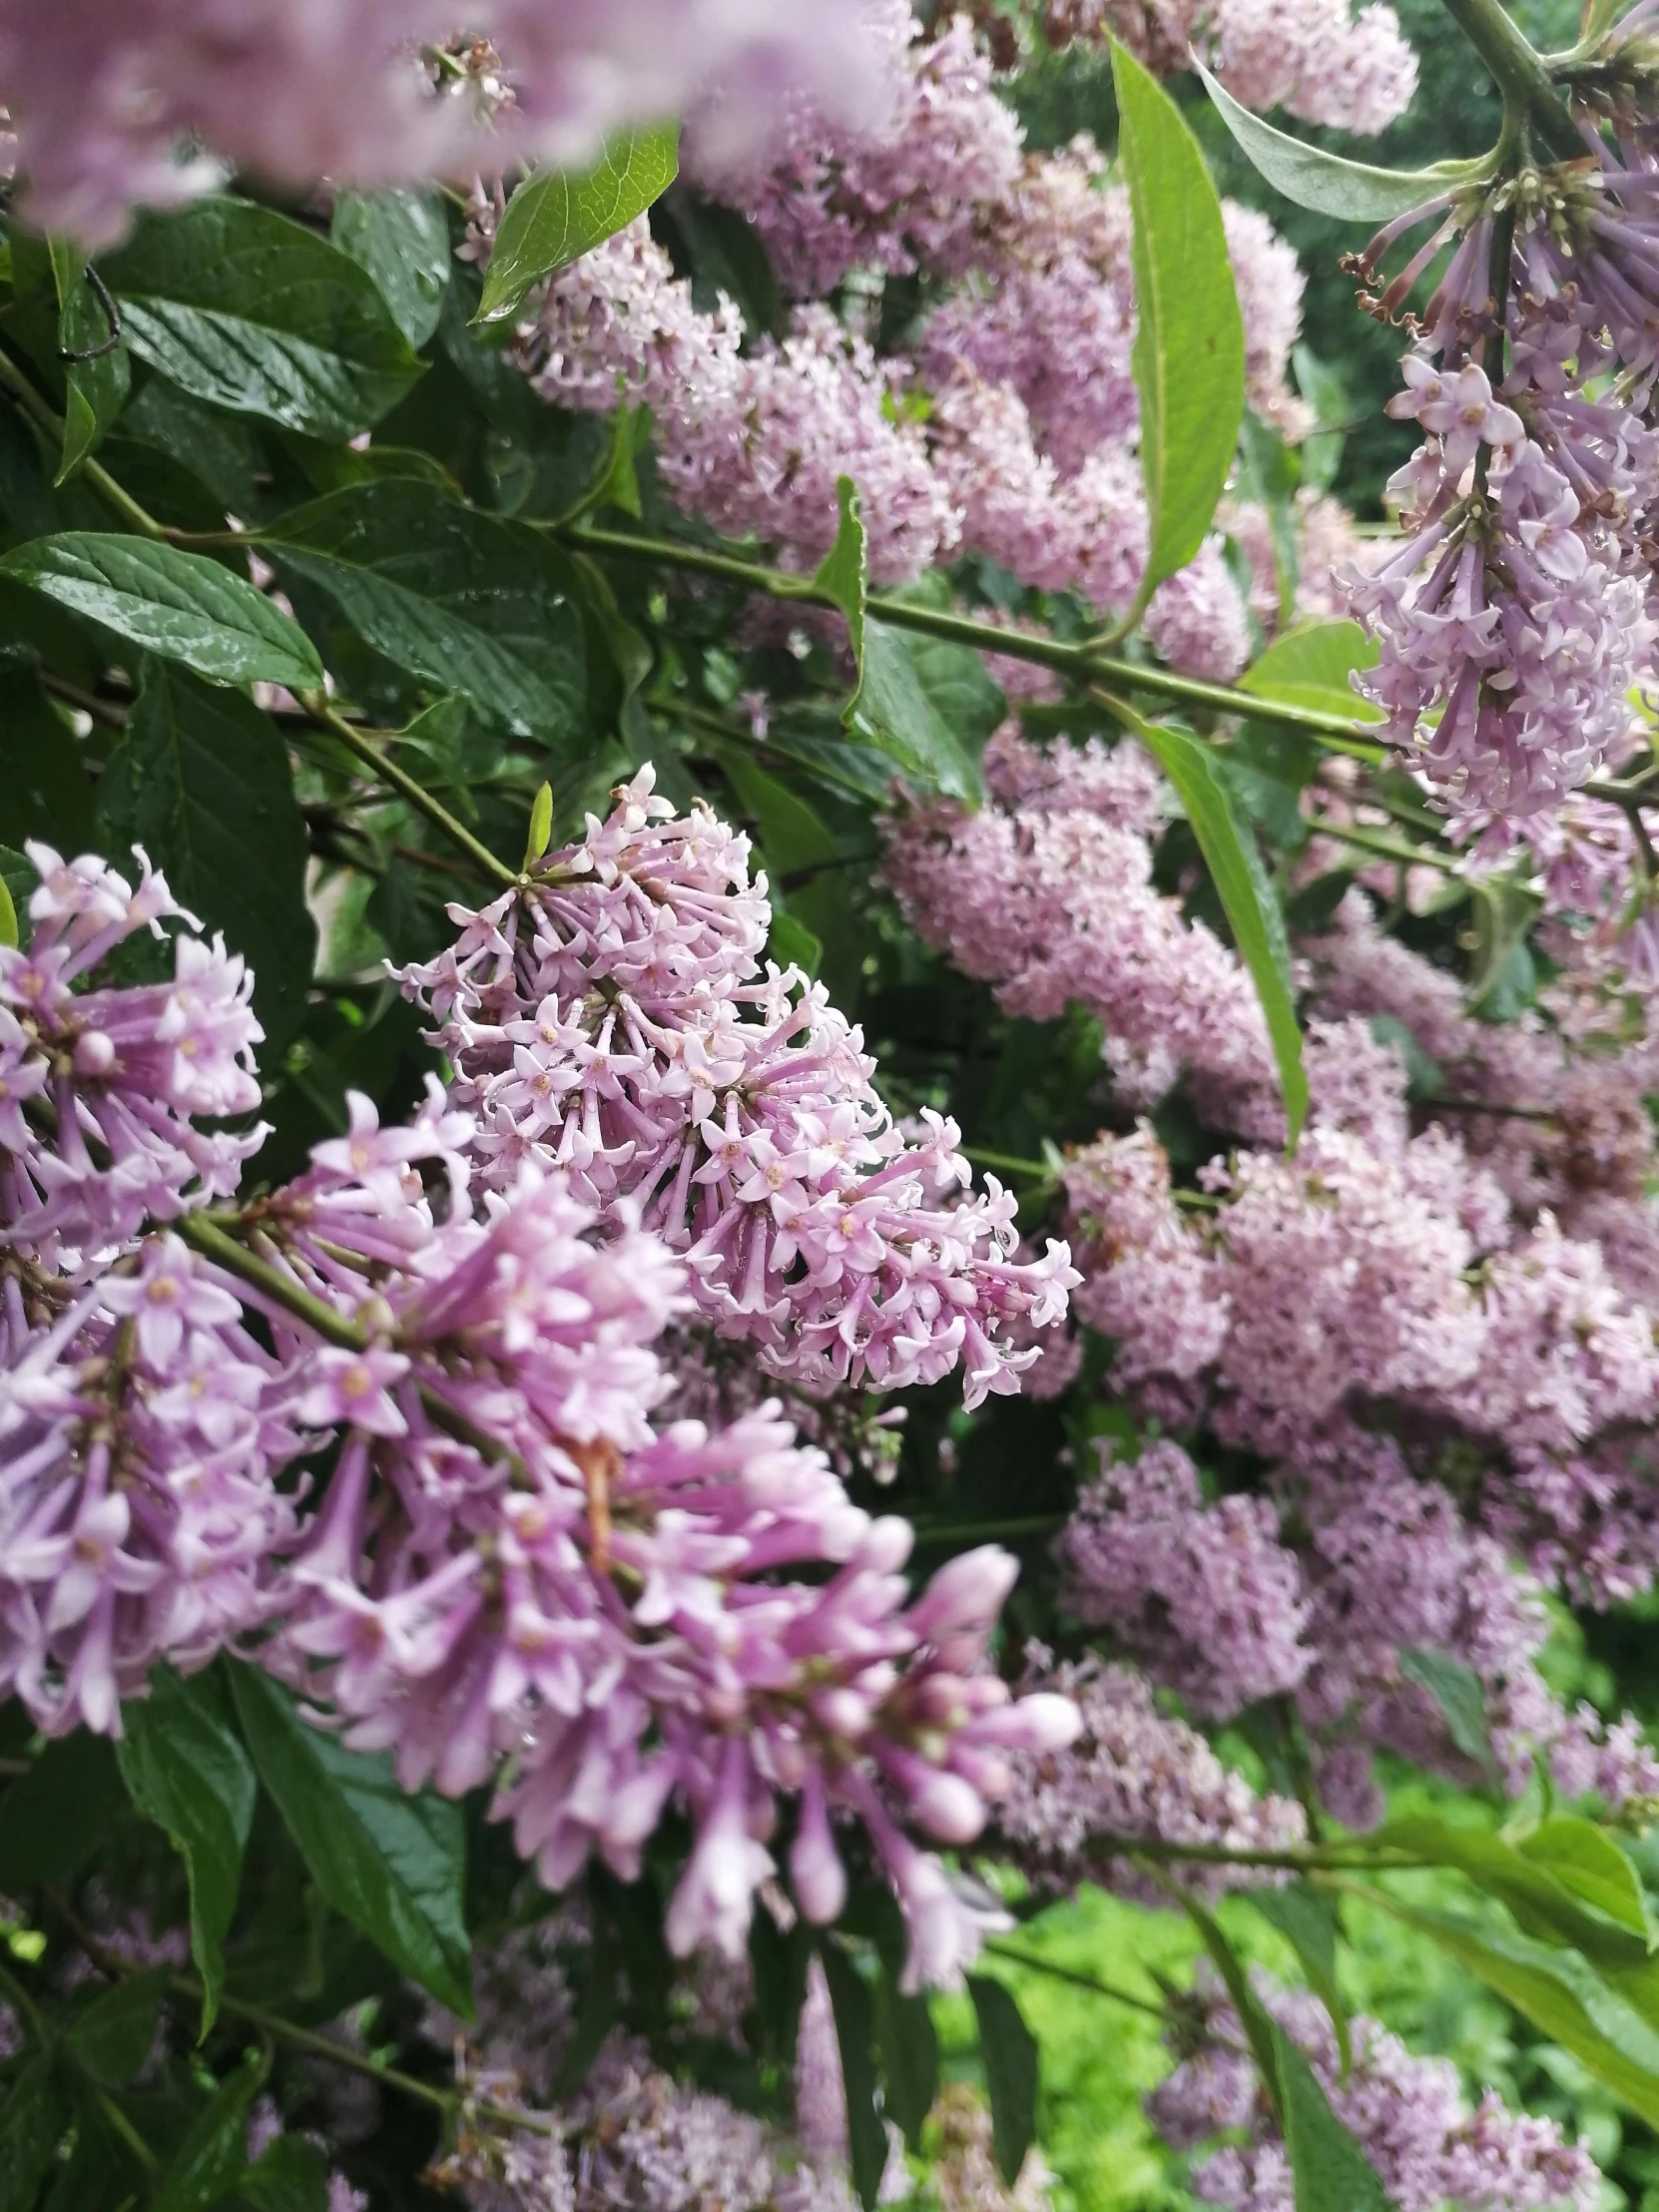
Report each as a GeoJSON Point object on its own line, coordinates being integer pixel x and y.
{"type": "Point", "coordinates": [1307, 1920]}
{"type": "Point", "coordinates": [241, 306]}
{"type": "Point", "coordinates": [466, 602]}
{"type": "Point", "coordinates": [1189, 338]}
{"type": "Point", "coordinates": [844, 572]}
{"type": "Point", "coordinates": [202, 779]}
{"type": "Point", "coordinates": [185, 1767]}
{"type": "Point", "coordinates": [1325, 181]}
{"type": "Point", "coordinates": [394, 1865]}
{"type": "Point", "coordinates": [1328, 2170]}
{"type": "Point", "coordinates": [1311, 666]}
{"type": "Point", "coordinates": [402, 239]}
{"type": "Point", "coordinates": [541, 824]}
{"type": "Point", "coordinates": [554, 217]}
{"type": "Point", "coordinates": [8, 916]}
{"type": "Point", "coordinates": [1009, 2052]}
{"type": "Point", "coordinates": [1545, 1906]}
{"type": "Point", "coordinates": [1235, 867]}
{"type": "Point", "coordinates": [1586, 1860]}
{"type": "Point", "coordinates": [1562, 1995]}
{"type": "Point", "coordinates": [178, 605]}
{"type": "Point", "coordinates": [855, 2033]}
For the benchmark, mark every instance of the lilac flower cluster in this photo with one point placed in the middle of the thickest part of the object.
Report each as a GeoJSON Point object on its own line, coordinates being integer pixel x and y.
{"type": "Point", "coordinates": [1427, 2148]}
{"type": "Point", "coordinates": [611, 1021]}
{"type": "Point", "coordinates": [107, 99]}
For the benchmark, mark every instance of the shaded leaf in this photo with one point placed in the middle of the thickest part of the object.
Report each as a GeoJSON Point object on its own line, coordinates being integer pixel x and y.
{"type": "Point", "coordinates": [1328, 2170]}
{"type": "Point", "coordinates": [392, 1864]}
{"type": "Point", "coordinates": [556, 216]}
{"type": "Point", "coordinates": [32, 2117]}
{"type": "Point", "coordinates": [185, 1767]}
{"type": "Point", "coordinates": [44, 788]}
{"type": "Point", "coordinates": [911, 2054]}
{"type": "Point", "coordinates": [1188, 355]}
{"type": "Point", "coordinates": [855, 2033]}
{"type": "Point", "coordinates": [1009, 2050]}
{"type": "Point", "coordinates": [214, 2151]}
{"type": "Point", "coordinates": [1461, 1697]}
{"type": "Point", "coordinates": [202, 779]}
{"type": "Point", "coordinates": [402, 238]}
{"type": "Point", "coordinates": [113, 2035]}
{"type": "Point", "coordinates": [467, 602]}
{"type": "Point", "coordinates": [180, 606]}
{"type": "Point", "coordinates": [53, 1817]}
{"type": "Point", "coordinates": [289, 2175]}
{"type": "Point", "coordinates": [1325, 183]}
{"type": "Point", "coordinates": [1306, 1919]}
{"type": "Point", "coordinates": [239, 305]}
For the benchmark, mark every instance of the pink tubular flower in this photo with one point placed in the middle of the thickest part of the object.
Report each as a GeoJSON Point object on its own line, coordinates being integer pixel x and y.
{"type": "Point", "coordinates": [98, 1085]}
{"type": "Point", "coordinates": [612, 1021]}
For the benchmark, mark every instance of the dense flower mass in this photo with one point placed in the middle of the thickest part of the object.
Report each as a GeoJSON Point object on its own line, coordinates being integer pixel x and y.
{"type": "Point", "coordinates": [108, 101]}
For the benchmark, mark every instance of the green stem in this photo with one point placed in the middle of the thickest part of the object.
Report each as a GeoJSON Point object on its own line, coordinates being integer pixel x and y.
{"type": "Point", "coordinates": [1389, 849]}
{"type": "Point", "coordinates": [1079, 661]}
{"type": "Point", "coordinates": [1017, 1958]}
{"type": "Point", "coordinates": [387, 772]}
{"type": "Point", "coordinates": [1036, 1169]}
{"type": "Point", "coordinates": [1518, 70]}
{"type": "Point", "coordinates": [225, 1252]}
{"type": "Point", "coordinates": [50, 425]}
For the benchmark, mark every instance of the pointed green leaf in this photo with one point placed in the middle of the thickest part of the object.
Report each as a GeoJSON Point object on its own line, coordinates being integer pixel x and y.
{"type": "Point", "coordinates": [8, 916]}
{"type": "Point", "coordinates": [402, 238]}
{"type": "Point", "coordinates": [1009, 2050]}
{"type": "Point", "coordinates": [1325, 181]}
{"type": "Point", "coordinates": [180, 606]}
{"type": "Point", "coordinates": [185, 1769]}
{"type": "Point", "coordinates": [1306, 1919]}
{"type": "Point", "coordinates": [96, 388]}
{"type": "Point", "coordinates": [541, 824]}
{"type": "Point", "coordinates": [466, 602]}
{"type": "Point", "coordinates": [1586, 1860]}
{"type": "Point", "coordinates": [202, 779]}
{"type": "Point", "coordinates": [843, 571]}
{"type": "Point", "coordinates": [855, 2033]}
{"type": "Point", "coordinates": [1311, 666]}
{"type": "Point", "coordinates": [241, 306]}
{"type": "Point", "coordinates": [1328, 2170]}
{"type": "Point", "coordinates": [1546, 1907]}
{"type": "Point", "coordinates": [554, 217]}
{"type": "Point", "coordinates": [214, 2149]}
{"type": "Point", "coordinates": [392, 1864]}
{"type": "Point", "coordinates": [1235, 866]}
{"type": "Point", "coordinates": [1189, 338]}
{"type": "Point", "coordinates": [114, 2035]}
{"type": "Point", "coordinates": [1562, 1995]}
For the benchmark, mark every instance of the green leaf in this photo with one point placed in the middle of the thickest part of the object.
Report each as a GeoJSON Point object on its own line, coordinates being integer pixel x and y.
{"type": "Point", "coordinates": [1321, 452]}
{"type": "Point", "coordinates": [1189, 338]}
{"type": "Point", "coordinates": [1461, 1697]}
{"type": "Point", "coordinates": [910, 2053]}
{"type": "Point", "coordinates": [202, 779]}
{"type": "Point", "coordinates": [97, 389]}
{"type": "Point", "coordinates": [1546, 1907]}
{"type": "Point", "coordinates": [402, 239]}
{"type": "Point", "coordinates": [554, 216]}
{"type": "Point", "coordinates": [1009, 2050]}
{"type": "Point", "coordinates": [855, 2033]}
{"type": "Point", "coordinates": [1328, 2170]}
{"type": "Point", "coordinates": [1269, 474]}
{"type": "Point", "coordinates": [181, 606]}
{"type": "Point", "coordinates": [8, 916]}
{"type": "Point", "coordinates": [596, 2011]}
{"type": "Point", "coordinates": [113, 2035]}
{"type": "Point", "coordinates": [240, 306]}
{"type": "Point", "coordinates": [393, 1864]}
{"type": "Point", "coordinates": [1260, 2030]}
{"type": "Point", "coordinates": [214, 2149]}
{"type": "Point", "coordinates": [1236, 868]}
{"type": "Point", "coordinates": [53, 1817]}
{"type": "Point", "coordinates": [32, 2117]}
{"type": "Point", "coordinates": [44, 790]}
{"type": "Point", "coordinates": [291, 2175]}
{"type": "Point", "coordinates": [185, 1769]}
{"type": "Point", "coordinates": [1560, 1993]}
{"type": "Point", "coordinates": [540, 833]}
{"type": "Point", "coordinates": [466, 602]}
{"type": "Point", "coordinates": [1311, 666]}
{"type": "Point", "coordinates": [843, 571]}
{"type": "Point", "coordinates": [1325, 181]}
{"type": "Point", "coordinates": [1306, 1919]}
{"type": "Point", "coordinates": [1585, 1860]}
